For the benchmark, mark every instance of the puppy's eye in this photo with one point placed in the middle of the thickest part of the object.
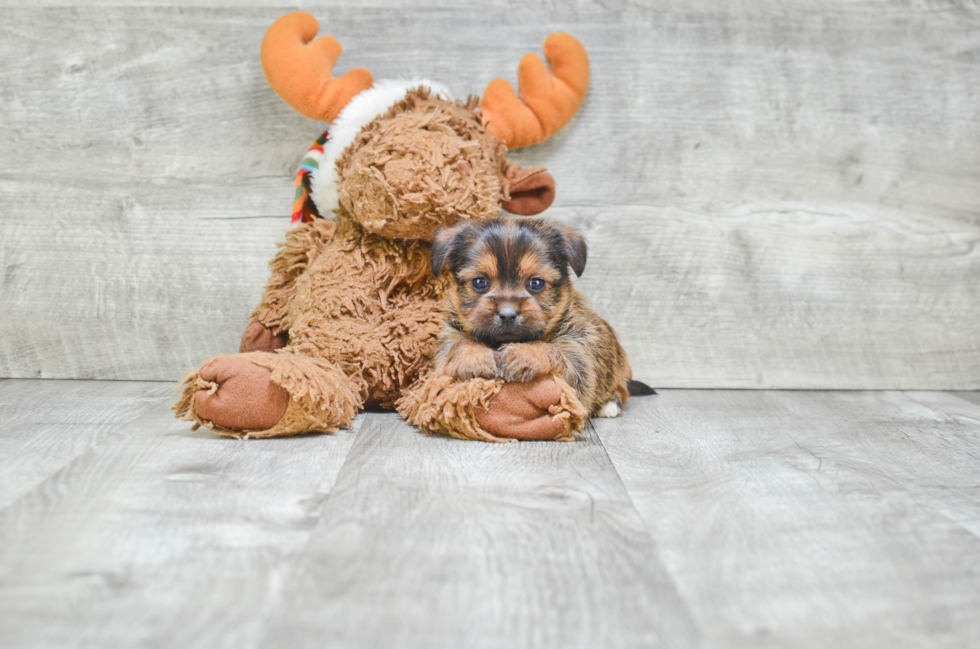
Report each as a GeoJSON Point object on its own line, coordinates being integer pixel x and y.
{"type": "Point", "coordinates": [480, 284]}
{"type": "Point", "coordinates": [536, 285]}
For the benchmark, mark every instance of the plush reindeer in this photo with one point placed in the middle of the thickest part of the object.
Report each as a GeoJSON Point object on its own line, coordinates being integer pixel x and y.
{"type": "Point", "coordinates": [350, 316]}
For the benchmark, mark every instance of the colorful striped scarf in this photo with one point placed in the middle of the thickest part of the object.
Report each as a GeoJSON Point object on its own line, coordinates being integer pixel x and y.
{"type": "Point", "coordinates": [303, 208]}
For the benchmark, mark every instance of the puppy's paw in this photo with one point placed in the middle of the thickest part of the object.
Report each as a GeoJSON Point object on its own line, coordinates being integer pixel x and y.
{"type": "Point", "coordinates": [611, 409]}
{"type": "Point", "coordinates": [471, 362]}
{"type": "Point", "coordinates": [524, 362]}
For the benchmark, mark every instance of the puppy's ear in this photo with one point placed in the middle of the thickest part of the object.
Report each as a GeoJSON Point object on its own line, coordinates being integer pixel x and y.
{"type": "Point", "coordinates": [575, 249]}
{"type": "Point", "coordinates": [443, 242]}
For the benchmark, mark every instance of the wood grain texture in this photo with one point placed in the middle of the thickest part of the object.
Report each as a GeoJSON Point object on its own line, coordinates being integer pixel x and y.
{"type": "Point", "coordinates": [46, 424]}
{"type": "Point", "coordinates": [160, 537]}
{"type": "Point", "coordinates": [811, 519]}
{"type": "Point", "coordinates": [800, 296]}
{"type": "Point", "coordinates": [776, 194]}
{"type": "Point", "coordinates": [972, 397]}
{"type": "Point", "coordinates": [433, 542]}
{"type": "Point", "coordinates": [699, 518]}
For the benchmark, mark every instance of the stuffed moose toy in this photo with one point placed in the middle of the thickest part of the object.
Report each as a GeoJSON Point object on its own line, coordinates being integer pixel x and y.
{"type": "Point", "coordinates": [349, 318]}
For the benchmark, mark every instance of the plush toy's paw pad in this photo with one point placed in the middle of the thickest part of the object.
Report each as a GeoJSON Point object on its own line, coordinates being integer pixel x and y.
{"type": "Point", "coordinates": [520, 411]}
{"type": "Point", "coordinates": [245, 399]}
{"type": "Point", "coordinates": [259, 338]}
{"type": "Point", "coordinates": [611, 409]}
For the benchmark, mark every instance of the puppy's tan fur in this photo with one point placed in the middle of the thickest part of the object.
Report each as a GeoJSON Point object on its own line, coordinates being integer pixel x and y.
{"type": "Point", "coordinates": [511, 330]}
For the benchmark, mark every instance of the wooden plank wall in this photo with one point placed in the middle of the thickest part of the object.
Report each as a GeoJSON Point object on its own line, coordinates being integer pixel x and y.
{"type": "Point", "coordinates": [778, 195]}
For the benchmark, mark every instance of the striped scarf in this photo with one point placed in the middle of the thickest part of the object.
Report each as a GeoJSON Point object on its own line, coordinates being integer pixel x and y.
{"type": "Point", "coordinates": [303, 208]}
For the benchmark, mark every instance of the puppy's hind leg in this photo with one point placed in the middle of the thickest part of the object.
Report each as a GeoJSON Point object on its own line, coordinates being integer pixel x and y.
{"type": "Point", "coordinates": [614, 407]}
{"type": "Point", "coordinates": [611, 409]}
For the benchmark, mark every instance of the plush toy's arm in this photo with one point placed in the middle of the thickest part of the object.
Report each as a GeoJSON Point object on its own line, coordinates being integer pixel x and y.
{"type": "Point", "coordinates": [491, 410]}
{"type": "Point", "coordinates": [473, 392]}
{"type": "Point", "coordinates": [303, 245]}
{"type": "Point", "coordinates": [546, 408]}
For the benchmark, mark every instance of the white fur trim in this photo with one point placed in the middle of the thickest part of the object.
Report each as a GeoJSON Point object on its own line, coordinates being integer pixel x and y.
{"type": "Point", "coordinates": [358, 113]}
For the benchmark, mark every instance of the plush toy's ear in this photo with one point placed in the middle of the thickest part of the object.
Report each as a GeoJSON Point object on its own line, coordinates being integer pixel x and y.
{"type": "Point", "coordinates": [532, 195]}
{"type": "Point", "coordinates": [575, 248]}
{"type": "Point", "coordinates": [442, 245]}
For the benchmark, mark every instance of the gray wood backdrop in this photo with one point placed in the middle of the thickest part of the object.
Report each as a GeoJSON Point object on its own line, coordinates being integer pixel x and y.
{"type": "Point", "coordinates": [776, 194]}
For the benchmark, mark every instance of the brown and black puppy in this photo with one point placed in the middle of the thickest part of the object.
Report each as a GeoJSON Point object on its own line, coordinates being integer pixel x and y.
{"type": "Point", "coordinates": [516, 316]}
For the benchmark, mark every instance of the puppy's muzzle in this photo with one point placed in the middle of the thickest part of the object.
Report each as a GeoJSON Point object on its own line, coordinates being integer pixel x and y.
{"type": "Point", "coordinates": [507, 325]}
{"type": "Point", "coordinates": [507, 314]}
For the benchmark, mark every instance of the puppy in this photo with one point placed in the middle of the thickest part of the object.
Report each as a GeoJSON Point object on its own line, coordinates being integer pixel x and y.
{"type": "Point", "coordinates": [515, 315]}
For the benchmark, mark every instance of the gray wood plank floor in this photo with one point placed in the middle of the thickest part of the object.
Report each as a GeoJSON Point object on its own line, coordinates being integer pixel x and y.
{"type": "Point", "coordinates": [699, 518]}
{"type": "Point", "coordinates": [812, 519]}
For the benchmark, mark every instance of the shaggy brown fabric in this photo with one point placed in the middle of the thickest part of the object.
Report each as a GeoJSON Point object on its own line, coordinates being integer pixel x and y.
{"type": "Point", "coordinates": [369, 305]}
{"type": "Point", "coordinates": [544, 409]}
{"type": "Point", "coordinates": [437, 403]}
{"type": "Point", "coordinates": [321, 397]}
{"type": "Point", "coordinates": [423, 165]}
{"type": "Point", "coordinates": [302, 246]}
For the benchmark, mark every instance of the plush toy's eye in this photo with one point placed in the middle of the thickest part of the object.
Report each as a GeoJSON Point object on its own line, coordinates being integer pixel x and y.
{"type": "Point", "coordinates": [536, 285]}
{"type": "Point", "coordinates": [480, 284]}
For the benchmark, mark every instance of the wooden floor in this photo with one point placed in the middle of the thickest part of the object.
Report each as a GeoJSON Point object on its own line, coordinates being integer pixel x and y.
{"type": "Point", "coordinates": [699, 518]}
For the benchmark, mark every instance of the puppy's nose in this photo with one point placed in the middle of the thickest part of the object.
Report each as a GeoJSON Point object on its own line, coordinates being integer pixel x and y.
{"type": "Point", "coordinates": [507, 314]}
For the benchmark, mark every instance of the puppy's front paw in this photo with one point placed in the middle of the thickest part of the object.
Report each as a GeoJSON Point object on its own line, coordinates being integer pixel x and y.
{"type": "Point", "coordinates": [524, 362]}
{"type": "Point", "coordinates": [471, 362]}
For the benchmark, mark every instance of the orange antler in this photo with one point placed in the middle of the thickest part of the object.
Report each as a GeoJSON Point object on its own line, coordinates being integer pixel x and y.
{"type": "Point", "coordinates": [548, 100]}
{"type": "Point", "coordinates": [301, 71]}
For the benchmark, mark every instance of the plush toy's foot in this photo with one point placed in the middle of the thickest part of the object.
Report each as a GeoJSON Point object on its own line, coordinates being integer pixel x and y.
{"type": "Point", "coordinates": [240, 396]}
{"type": "Point", "coordinates": [438, 403]}
{"type": "Point", "coordinates": [260, 394]}
{"type": "Point", "coordinates": [520, 411]}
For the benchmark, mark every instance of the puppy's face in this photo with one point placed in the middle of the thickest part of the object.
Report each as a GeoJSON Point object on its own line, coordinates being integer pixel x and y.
{"type": "Point", "coordinates": [511, 276]}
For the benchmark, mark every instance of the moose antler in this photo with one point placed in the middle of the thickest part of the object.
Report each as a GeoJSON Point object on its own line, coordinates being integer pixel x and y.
{"type": "Point", "coordinates": [548, 99]}
{"type": "Point", "coordinates": [301, 70]}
